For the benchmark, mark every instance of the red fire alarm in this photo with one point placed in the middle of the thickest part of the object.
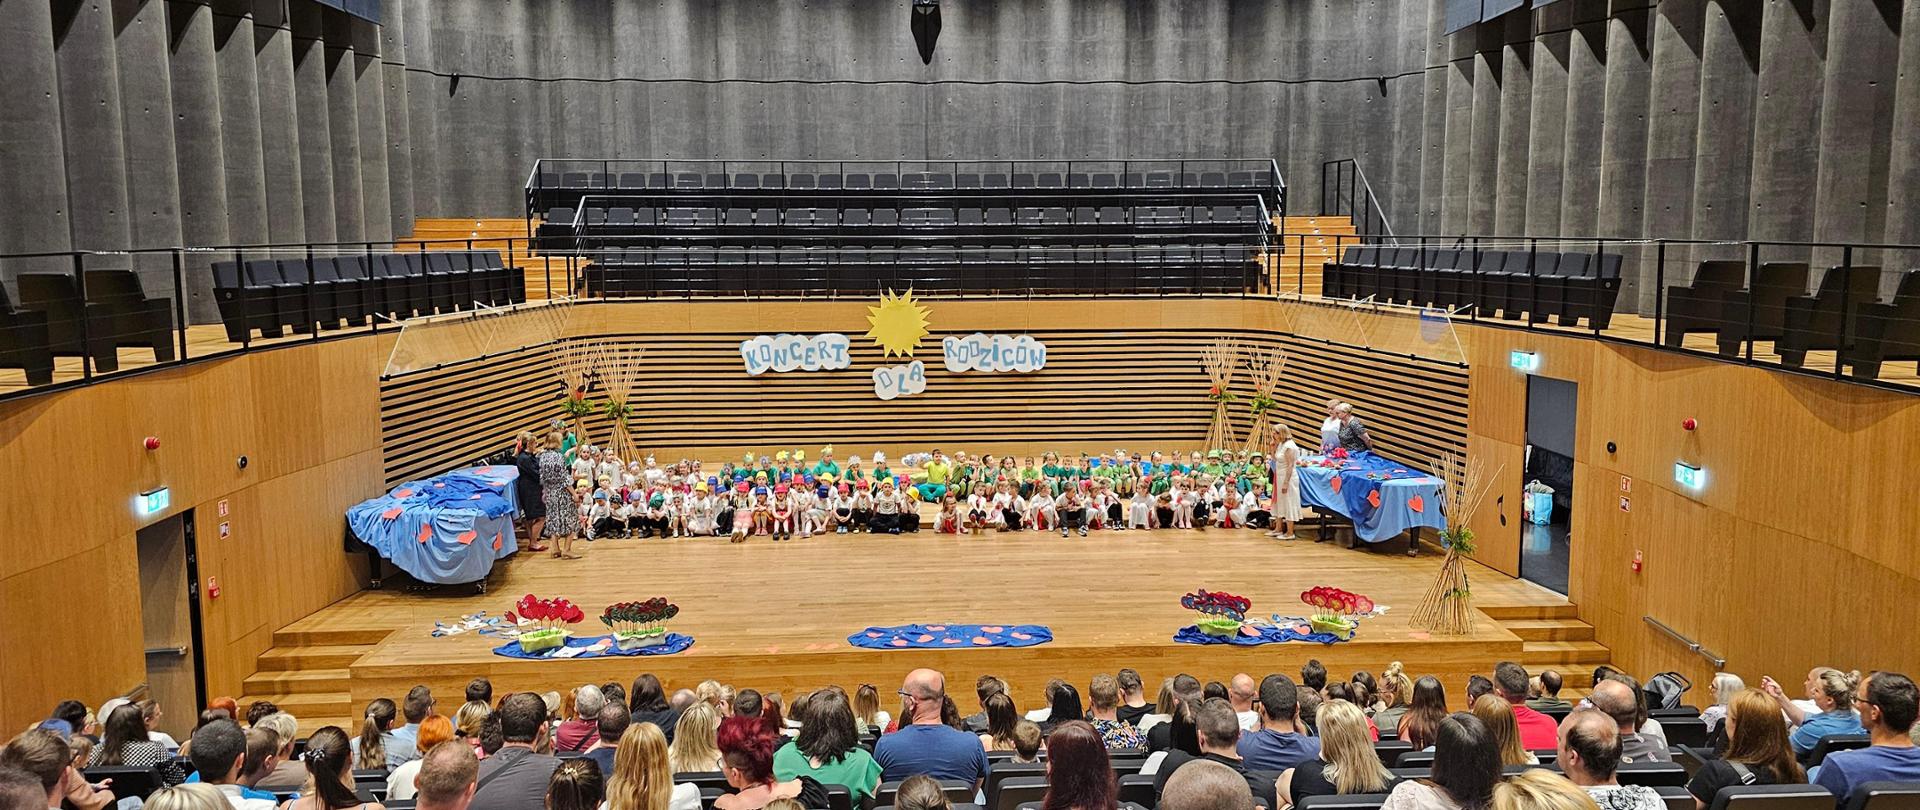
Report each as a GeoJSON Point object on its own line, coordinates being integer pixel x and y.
{"type": "Point", "coordinates": [213, 586]}
{"type": "Point", "coordinates": [1688, 423]}
{"type": "Point", "coordinates": [1637, 561]}
{"type": "Point", "coordinates": [151, 443]}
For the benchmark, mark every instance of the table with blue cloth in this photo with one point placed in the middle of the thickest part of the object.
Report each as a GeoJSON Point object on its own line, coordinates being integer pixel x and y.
{"type": "Point", "coordinates": [1382, 497]}
{"type": "Point", "coordinates": [445, 530]}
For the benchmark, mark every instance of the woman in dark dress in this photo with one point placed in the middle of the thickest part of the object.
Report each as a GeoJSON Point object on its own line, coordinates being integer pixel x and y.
{"type": "Point", "coordinates": [532, 504]}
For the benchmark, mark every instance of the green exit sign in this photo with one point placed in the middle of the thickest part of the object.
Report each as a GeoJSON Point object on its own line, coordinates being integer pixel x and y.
{"type": "Point", "coordinates": [154, 501]}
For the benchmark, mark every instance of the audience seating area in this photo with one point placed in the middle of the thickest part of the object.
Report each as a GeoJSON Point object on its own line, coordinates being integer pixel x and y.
{"type": "Point", "coordinates": [1842, 312]}
{"type": "Point", "coordinates": [55, 317]}
{"type": "Point", "coordinates": [273, 295]}
{"type": "Point", "coordinates": [1536, 284]}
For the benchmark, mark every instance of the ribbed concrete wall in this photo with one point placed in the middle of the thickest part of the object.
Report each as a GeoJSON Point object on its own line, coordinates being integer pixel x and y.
{"type": "Point", "coordinates": [134, 123]}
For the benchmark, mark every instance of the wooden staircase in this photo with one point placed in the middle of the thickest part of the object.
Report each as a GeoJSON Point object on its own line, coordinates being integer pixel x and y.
{"type": "Point", "coordinates": [307, 673]}
{"type": "Point", "coordinates": [1308, 243]}
{"type": "Point", "coordinates": [507, 235]}
{"type": "Point", "coordinates": [1553, 637]}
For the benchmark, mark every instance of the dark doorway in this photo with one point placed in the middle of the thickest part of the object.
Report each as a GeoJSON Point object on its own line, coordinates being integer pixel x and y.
{"type": "Point", "coordinates": [1547, 507]}
{"type": "Point", "coordinates": [170, 622]}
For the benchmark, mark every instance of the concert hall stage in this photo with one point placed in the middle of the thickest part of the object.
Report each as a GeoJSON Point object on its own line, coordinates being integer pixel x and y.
{"type": "Point", "coordinates": [776, 617]}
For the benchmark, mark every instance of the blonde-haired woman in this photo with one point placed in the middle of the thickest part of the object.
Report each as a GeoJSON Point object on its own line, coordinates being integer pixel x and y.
{"type": "Point", "coordinates": [1347, 762]}
{"type": "Point", "coordinates": [1832, 693]}
{"type": "Point", "coordinates": [189, 796]}
{"type": "Point", "coordinates": [642, 779]}
{"type": "Point", "coordinates": [1541, 789]}
{"type": "Point", "coordinates": [1286, 484]}
{"type": "Point", "coordinates": [1497, 713]}
{"type": "Point", "coordinates": [716, 694]}
{"type": "Point", "coordinates": [1725, 685]}
{"type": "Point", "coordinates": [1396, 692]}
{"type": "Point", "coordinates": [694, 750]}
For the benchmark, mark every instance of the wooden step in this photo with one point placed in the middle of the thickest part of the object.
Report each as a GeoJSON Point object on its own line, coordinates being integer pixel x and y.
{"type": "Point", "coordinates": [297, 682]}
{"type": "Point", "coordinates": [1536, 654]}
{"type": "Point", "coordinates": [1549, 629]}
{"type": "Point", "coordinates": [1565, 610]}
{"type": "Point", "coordinates": [312, 656]}
{"type": "Point", "coordinates": [315, 704]}
{"type": "Point", "coordinates": [294, 636]}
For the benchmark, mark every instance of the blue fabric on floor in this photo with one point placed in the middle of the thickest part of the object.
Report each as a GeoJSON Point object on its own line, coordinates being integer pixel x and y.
{"type": "Point", "coordinates": [1268, 635]}
{"type": "Point", "coordinates": [928, 636]}
{"type": "Point", "coordinates": [446, 530]}
{"type": "Point", "coordinates": [675, 643]}
{"type": "Point", "coordinates": [1364, 474]}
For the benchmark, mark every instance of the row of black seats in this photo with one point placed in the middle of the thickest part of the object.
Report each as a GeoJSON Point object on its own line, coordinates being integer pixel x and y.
{"type": "Point", "coordinates": [934, 256]}
{"type": "Point", "coordinates": [888, 180]}
{"type": "Point", "coordinates": [1843, 312]}
{"type": "Point", "coordinates": [631, 280]}
{"type": "Point", "coordinates": [54, 317]}
{"type": "Point", "coordinates": [1496, 283]}
{"type": "Point", "coordinates": [271, 295]}
{"type": "Point", "coordinates": [560, 221]}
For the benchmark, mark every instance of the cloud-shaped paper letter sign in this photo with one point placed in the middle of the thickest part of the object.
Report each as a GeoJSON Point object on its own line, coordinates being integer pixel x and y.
{"type": "Point", "coordinates": [978, 352]}
{"type": "Point", "coordinates": [902, 380]}
{"type": "Point", "coordinates": [785, 352]}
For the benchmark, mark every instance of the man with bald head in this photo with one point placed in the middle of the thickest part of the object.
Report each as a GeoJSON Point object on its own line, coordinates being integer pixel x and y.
{"type": "Point", "coordinates": [1206, 786]}
{"type": "Point", "coordinates": [1240, 693]}
{"type": "Point", "coordinates": [1619, 697]}
{"type": "Point", "coordinates": [924, 745]}
{"type": "Point", "coordinates": [1589, 749]}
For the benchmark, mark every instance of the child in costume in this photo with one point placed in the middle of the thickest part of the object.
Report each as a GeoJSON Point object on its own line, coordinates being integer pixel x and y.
{"type": "Point", "coordinates": [782, 509]}
{"type": "Point", "coordinates": [1140, 509]}
{"type": "Point", "coordinates": [1007, 506]}
{"type": "Point", "coordinates": [1113, 513]}
{"type": "Point", "coordinates": [979, 511]}
{"type": "Point", "coordinates": [599, 518]}
{"type": "Point", "coordinates": [700, 521]}
{"type": "Point", "coordinates": [1040, 510]}
{"type": "Point", "coordinates": [1197, 507]}
{"type": "Point", "coordinates": [948, 519]}
{"type": "Point", "coordinates": [678, 514]}
{"type": "Point", "coordinates": [1072, 509]}
{"type": "Point", "coordinates": [740, 518]}
{"type": "Point", "coordinates": [886, 504]}
{"type": "Point", "coordinates": [1163, 511]}
{"type": "Point", "coordinates": [841, 509]}
{"type": "Point", "coordinates": [861, 508]}
{"type": "Point", "coordinates": [908, 519]}
{"type": "Point", "coordinates": [880, 470]}
{"type": "Point", "coordinates": [762, 511]}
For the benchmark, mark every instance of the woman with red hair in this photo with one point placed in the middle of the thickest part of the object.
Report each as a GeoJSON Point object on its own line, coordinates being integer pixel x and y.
{"type": "Point", "coordinates": [1079, 775]}
{"type": "Point", "coordinates": [746, 754]}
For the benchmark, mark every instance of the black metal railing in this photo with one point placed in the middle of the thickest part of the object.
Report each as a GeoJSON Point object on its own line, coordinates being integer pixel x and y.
{"type": "Point", "coordinates": [1344, 191]}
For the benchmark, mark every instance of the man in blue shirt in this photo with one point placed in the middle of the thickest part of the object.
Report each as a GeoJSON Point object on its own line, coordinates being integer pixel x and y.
{"type": "Point", "coordinates": [924, 745]}
{"type": "Point", "coordinates": [1280, 743]}
{"type": "Point", "coordinates": [415, 708]}
{"type": "Point", "coordinates": [1888, 704]}
{"type": "Point", "coordinates": [219, 757]}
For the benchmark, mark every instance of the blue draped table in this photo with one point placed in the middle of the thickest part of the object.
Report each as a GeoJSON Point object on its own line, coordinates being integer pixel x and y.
{"type": "Point", "coordinates": [934, 636]}
{"type": "Point", "coordinates": [1283, 631]}
{"type": "Point", "coordinates": [446, 530]}
{"type": "Point", "coordinates": [676, 643]}
{"type": "Point", "coordinates": [1382, 497]}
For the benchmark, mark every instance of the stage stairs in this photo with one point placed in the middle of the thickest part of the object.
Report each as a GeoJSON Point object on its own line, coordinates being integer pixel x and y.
{"type": "Point", "coordinates": [1307, 243]}
{"type": "Point", "coordinates": [306, 674]}
{"type": "Point", "coordinates": [1553, 637]}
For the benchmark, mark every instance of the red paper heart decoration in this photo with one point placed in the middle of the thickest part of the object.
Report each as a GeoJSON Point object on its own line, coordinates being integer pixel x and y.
{"type": "Point", "coordinates": [1417, 503]}
{"type": "Point", "coordinates": [924, 639]}
{"type": "Point", "coordinates": [994, 629]}
{"type": "Point", "coordinates": [498, 541]}
{"type": "Point", "coordinates": [1374, 498]}
{"type": "Point", "coordinates": [426, 532]}
{"type": "Point", "coordinates": [981, 640]}
{"type": "Point", "coordinates": [936, 627]}
{"type": "Point", "coordinates": [1248, 631]}
{"type": "Point", "coordinates": [949, 641]}
{"type": "Point", "coordinates": [1334, 482]}
{"type": "Point", "coordinates": [467, 538]}
{"type": "Point", "coordinates": [475, 496]}
{"type": "Point", "coordinates": [439, 485]}
{"type": "Point", "coordinates": [873, 635]}
{"type": "Point", "coordinates": [1022, 636]}
{"type": "Point", "coordinates": [402, 493]}
{"type": "Point", "coordinates": [899, 642]}
{"type": "Point", "coordinates": [391, 513]}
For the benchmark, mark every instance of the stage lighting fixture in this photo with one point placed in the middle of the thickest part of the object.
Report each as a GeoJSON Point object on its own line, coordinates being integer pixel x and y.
{"type": "Point", "coordinates": [925, 23]}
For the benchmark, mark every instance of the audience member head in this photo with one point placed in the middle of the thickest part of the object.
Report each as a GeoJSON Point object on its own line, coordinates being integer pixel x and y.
{"type": "Point", "coordinates": [480, 690]}
{"type": "Point", "coordinates": [418, 704]}
{"type": "Point", "coordinates": [646, 695]}
{"type": "Point", "coordinates": [826, 734]}
{"type": "Point", "coordinates": [588, 700]}
{"type": "Point", "coordinates": [259, 709]}
{"type": "Point", "coordinates": [150, 713]}
{"type": "Point", "coordinates": [285, 728]}
{"type": "Point", "coordinates": [1241, 691]}
{"type": "Point", "coordinates": [576, 785]}
{"type": "Point", "coordinates": [694, 747]}
{"type": "Point", "coordinates": [1497, 713]}
{"type": "Point", "coordinates": [1615, 697]}
{"type": "Point", "coordinates": [1589, 747]}
{"type": "Point", "coordinates": [124, 726]}
{"type": "Point", "coordinates": [1466, 761]}
{"type": "Point", "coordinates": [263, 755]}
{"type": "Point", "coordinates": [770, 711]}
{"type": "Point", "coordinates": [1550, 683]}
{"type": "Point", "coordinates": [187, 796]}
{"type": "Point", "coordinates": [471, 715]}
{"type": "Point", "coordinates": [434, 730]}
{"type": "Point", "coordinates": [523, 718]}
{"type": "Point", "coordinates": [74, 712]}
{"type": "Point", "coordinates": [1510, 680]}
{"type": "Point", "coordinates": [1346, 745]}
{"type": "Point", "coordinates": [923, 691]}
{"type": "Point", "coordinates": [682, 698]}
{"type": "Point", "coordinates": [1217, 725]}
{"type": "Point", "coordinates": [1366, 681]}
{"type": "Point", "coordinates": [206, 716]}
{"type": "Point", "coordinates": [218, 752]}
{"type": "Point", "coordinates": [1163, 703]}
{"type": "Point", "coordinates": [1541, 789]}
{"type": "Point", "coordinates": [746, 750]}
{"type": "Point", "coordinates": [1396, 689]}
{"type": "Point", "coordinates": [1079, 774]}
{"type": "Point", "coordinates": [748, 703]}
{"type": "Point", "coordinates": [1757, 736]}
{"type": "Point", "coordinates": [1725, 685]}
{"type": "Point", "coordinates": [921, 793]}
{"type": "Point", "coordinates": [614, 692]}
{"type": "Point", "coordinates": [1027, 739]}
{"type": "Point", "coordinates": [46, 757]}
{"type": "Point", "coordinates": [1310, 703]}
{"type": "Point", "coordinates": [1279, 703]}
{"type": "Point", "coordinates": [490, 738]}
{"type": "Point", "coordinates": [716, 693]}
{"type": "Point", "coordinates": [1313, 674]}
{"type": "Point", "coordinates": [1478, 685]}
{"type": "Point", "coordinates": [642, 777]}
{"type": "Point", "coordinates": [1206, 785]}
{"type": "Point", "coordinates": [329, 762]}
{"type": "Point", "coordinates": [612, 722]}
{"type": "Point", "coordinates": [373, 728]}
{"type": "Point", "coordinates": [1603, 672]}
{"type": "Point", "coordinates": [447, 778]}
{"type": "Point", "coordinates": [1131, 687]}
{"type": "Point", "coordinates": [1002, 716]}
{"type": "Point", "coordinates": [1887, 704]}
{"type": "Point", "coordinates": [1833, 690]}
{"type": "Point", "coordinates": [987, 686]}
{"type": "Point", "coordinates": [20, 790]}
{"type": "Point", "coordinates": [866, 705]}
{"type": "Point", "coordinates": [1065, 703]}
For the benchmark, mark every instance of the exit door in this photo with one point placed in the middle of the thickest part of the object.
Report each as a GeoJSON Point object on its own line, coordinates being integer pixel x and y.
{"type": "Point", "coordinates": [170, 622]}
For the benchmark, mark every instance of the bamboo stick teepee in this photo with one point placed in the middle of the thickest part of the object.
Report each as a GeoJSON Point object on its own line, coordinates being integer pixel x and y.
{"type": "Point", "coordinates": [1446, 608]}
{"type": "Point", "coordinates": [1264, 370]}
{"type": "Point", "coordinates": [618, 373]}
{"type": "Point", "coordinates": [1221, 362]}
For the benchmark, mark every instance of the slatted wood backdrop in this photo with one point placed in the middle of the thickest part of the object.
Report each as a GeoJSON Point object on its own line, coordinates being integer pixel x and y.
{"type": "Point", "coordinates": [1138, 389]}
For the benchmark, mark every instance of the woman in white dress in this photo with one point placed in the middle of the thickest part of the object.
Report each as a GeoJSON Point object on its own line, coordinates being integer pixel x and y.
{"type": "Point", "coordinates": [1286, 484]}
{"type": "Point", "coordinates": [1330, 429]}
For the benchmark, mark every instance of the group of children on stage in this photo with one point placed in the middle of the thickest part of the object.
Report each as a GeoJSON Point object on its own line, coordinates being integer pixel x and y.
{"type": "Point", "coordinates": [783, 496]}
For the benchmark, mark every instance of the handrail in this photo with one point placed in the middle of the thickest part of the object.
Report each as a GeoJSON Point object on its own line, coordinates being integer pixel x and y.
{"type": "Point", "coordinates": [1362, 217]}
{"type": "Point", "coordinates": [1692, 646]}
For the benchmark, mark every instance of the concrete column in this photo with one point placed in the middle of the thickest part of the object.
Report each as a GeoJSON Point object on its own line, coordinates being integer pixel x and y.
{"type": "Point", "coordinates": [1856, 119]}
{"type": "Point", "coordinates": [343, 127]}
{"type": "Point", "coordinates": [1586, 98]}
{"type": "Point", "coordinates": [1547, 119]}
{"type": "Point", "coordinates": [426, 103]}
{"type": "Point", "coordinates": [312, 109]}
{"type": "Point", "coordinates": [392, 66]}
{"type": "Point", "coordinates": [1723, 152]}
{"type": "Point", "coordinates": [1456, 215]}
{"type": "Point", "coordinates": [238, 85]}
{"type": "Point", "coordinates": [283, 176]}
{"type": "Point", "coordinates": [1672, 129]}
{"type": "Point", "coordinates": [35, 188]}
{"type": "Point", "coordinates": [376, 201]}
{"type": "Point", "coordinates": [1903, 168]}
{"type": "Point", "coordinates": [147, 124]}
{"type": "Point", "coordinates": [198, 129]}
{"type": "Point", "coordinates": [1484, 139]}
{"type": "Point", "coordinates": [90, 121]}
{"type": "Point", "coordinates": [1786, 121]}
{"type": "Point", "coordinates": [1433, 123]}
{"type": "Point", "coordinates": [1516, 111]}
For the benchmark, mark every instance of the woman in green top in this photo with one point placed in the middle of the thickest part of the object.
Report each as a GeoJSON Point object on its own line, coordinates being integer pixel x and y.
{"type": "Point", "coordinates": [828, 748]}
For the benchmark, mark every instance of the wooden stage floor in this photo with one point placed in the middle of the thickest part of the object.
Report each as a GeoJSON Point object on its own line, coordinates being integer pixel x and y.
{"type": "Point", "coordinates": [776, 617]}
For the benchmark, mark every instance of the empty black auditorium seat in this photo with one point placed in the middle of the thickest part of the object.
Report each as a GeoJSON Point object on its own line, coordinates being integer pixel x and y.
{"type": "Point", "coordinates": [1819, 321]}
{"type": "Point", "coordinates": [24, 341]}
